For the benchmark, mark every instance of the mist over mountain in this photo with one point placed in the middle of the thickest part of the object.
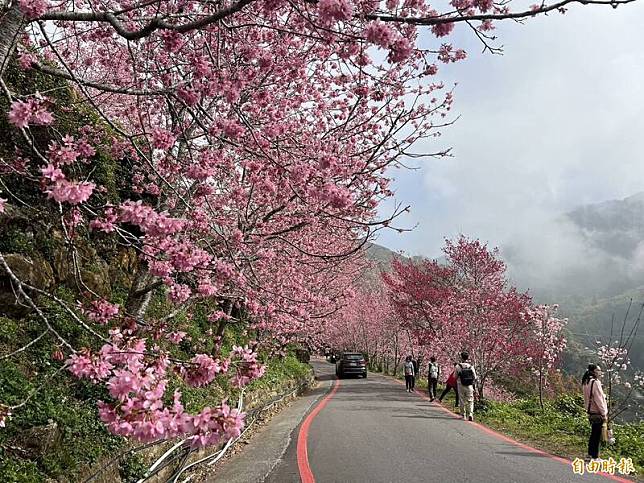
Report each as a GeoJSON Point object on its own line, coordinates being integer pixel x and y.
{"type": "Point", "coordinates": [595, 251]}
{"type": "Point", "coordinates": [591, 262]}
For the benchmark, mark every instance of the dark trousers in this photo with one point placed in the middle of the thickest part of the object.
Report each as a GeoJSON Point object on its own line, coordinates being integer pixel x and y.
{"type": "Point", "coordinates": [595, 438]}
{"type": "Point", "coordinates": [448, 389]}
{"type": "Point", "coordinates": [431, 387]}
{"type": "Point", "coordinates": [409, 382]}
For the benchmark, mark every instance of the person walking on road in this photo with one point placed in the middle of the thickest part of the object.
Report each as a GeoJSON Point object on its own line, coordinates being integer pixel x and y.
{"type": "Point", "coordinates": [465, 380]}
{"type": "Point", "coordinates": [596, 407]}
{"type": "Point", "coordinates": [449, 385]}
{"type": "Point", "coordinates": [432, 377]}
{"type": "Point", "coordinates": [410, 374]}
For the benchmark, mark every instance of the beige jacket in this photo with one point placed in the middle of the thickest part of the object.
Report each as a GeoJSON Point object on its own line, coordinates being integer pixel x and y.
{"type": "Point", "coordinates": [597, 399]}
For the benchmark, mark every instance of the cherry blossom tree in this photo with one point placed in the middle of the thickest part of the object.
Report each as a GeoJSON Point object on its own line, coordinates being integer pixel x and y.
{"type": "Point", "coordinates": [549, 342]}
{"type": "Point", "coordinates": [465, 305]}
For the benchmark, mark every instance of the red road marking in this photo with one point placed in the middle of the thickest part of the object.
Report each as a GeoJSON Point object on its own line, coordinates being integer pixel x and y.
{"type": "Point", "coordinates": [512, 441]}
{"type": "Point", "coordinates": [306, 475]}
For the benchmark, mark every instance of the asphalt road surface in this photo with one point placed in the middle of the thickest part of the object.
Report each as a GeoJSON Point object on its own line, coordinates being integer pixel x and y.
{"type": "Point", "coordinates": [373, 431]}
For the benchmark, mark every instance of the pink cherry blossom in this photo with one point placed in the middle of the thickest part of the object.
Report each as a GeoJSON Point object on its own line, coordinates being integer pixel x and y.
{"type": "Point", "coordinates": [86, 365]}
{"type": "Point", "coordinates": [33, 8]}
{"type": "Point", "coordinates": [26, 60]}
{"type": "Point", "coordinates": [70, 192]}
{"type": "Point", "coordinates": [162, 139]}
{"type": "Point", "coordinates": [442, 29]}
{"type": "Point", "coordinates": [105, 224]}
{"type": "Point", "coordinates": [399, 50]}
{"type": "Point", "coordinates": [52, 173]}
{"type": "Point", "coordinates": [203, 369]}
{"type": "Point", "coordinates": [30, 112]}
{"type": "Point", "coordinates": [176, 337]}
{"type": "Point", "coordinates": [378, 33]}
{"type": "Point", "coordinates": [335, 10]}
{"type": "Point", "coordinates": [102, 311]}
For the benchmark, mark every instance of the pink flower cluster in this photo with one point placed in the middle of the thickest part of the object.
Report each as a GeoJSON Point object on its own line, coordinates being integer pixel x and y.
{"type": "Point", "coordinates": [69, 151]}
{"type": "Point", "coordinates": [26, 60]}
{"type": "Point", "coordinates": [442, 29]}
{"type": "Point", "coordinates": [105, 224]}
{"type": "Point", "coordinates": [336, 196]}
{"type": "Point", "coordinates": [70, 192]}
{"type": "Point", "coordinates": [199, 172]}
{"type": "Point", "coordinates": [62, 190]}
{"type": "Point", "coordinates": [207, 288]}
{"type": "Point", "coordinates": [139, 387]}
{"type": "Point", "coordinates": [188, 95]}
{"type": "Point", "coordinates": [447, 54]}
{"type": "Point", "coordinates": [211, 426]}
{"type": "Point", "coordinates": [184, 256]}
{"type": "Point", "coordinates": [2, 203]}
{"type": "Point", "coordinates": [150, 222]}
{"type": "Point", "coordinates": [102, 311]}
{"type": "Point", "coordinates": [179, 293]}
{"type": "Point", "coordinates": [86, 365]}
{"type": "Point", "coordinates": [331, 11]}
{"type": "Point", "coordinates": [176, 337]}
{"type": "Point", "coordinates": [249, 367]}
{"type": "Point", "coordinates": [231, 128]}
{"type": "Point", "coordinates": [33, 8]}
{"type": "Point", "coordinates": [172, 41]}
{"type": "Point", "coordinates": [399, 50]}
{"type": "Point", "coordinates": [379, 33]}
{"type": "Point", "coordinates": [32, 111]}
{"type": "Point", "coordinates": [203, 369]}
{"type": "Point", "coordinates": [162, 139]}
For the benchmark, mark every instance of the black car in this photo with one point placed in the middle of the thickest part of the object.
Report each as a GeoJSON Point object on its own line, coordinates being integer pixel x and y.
{"type": "Point", "coordinates": [351, 363]}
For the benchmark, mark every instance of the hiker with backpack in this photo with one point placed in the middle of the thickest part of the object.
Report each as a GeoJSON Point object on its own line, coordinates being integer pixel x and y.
{"type": "Point", "coordinates": [449, 385]}
{"type": "Point", "coordinates": [410, 374]}
{"type": "Point", "coordinates": [596, 407]}
{"type": "Point", "coordinates": [465, 380]}
{"type": "Point", "coordinates": [432, 377]}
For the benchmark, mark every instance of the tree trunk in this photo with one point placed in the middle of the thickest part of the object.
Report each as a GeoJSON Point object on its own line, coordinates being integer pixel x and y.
{"type": "Point", "coordinates": [140, 294]}
{"type": "Point", "coordinates": [11, 24]}
{"type": "Point", "coordinates": [480, 386]}
{"type": "Point", "coordinates": [223, 322]}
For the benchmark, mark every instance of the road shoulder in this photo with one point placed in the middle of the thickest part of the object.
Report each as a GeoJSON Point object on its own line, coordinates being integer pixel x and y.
{"type": "Point", "coordinates": [266, 447]}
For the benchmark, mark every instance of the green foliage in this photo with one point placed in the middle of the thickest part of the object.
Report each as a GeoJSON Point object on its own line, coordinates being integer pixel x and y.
{"type": "Point", "coordinates": [68, 404]}
{"type": "Point", "coordinates": [572, 405]}
{"type": "Point", "coordinates": [17, 470]}
{"type": "Point", "coordinates": [279, 370]}
{"type": "Point", "coordinates": [132, 468]}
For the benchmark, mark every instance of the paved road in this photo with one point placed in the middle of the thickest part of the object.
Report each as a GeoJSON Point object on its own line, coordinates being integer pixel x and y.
{"type": "Point", "coordinates": [373, 431]}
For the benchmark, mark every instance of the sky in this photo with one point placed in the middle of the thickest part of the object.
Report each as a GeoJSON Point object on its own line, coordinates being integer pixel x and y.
{"type": "Point", "coordinates": [553, 123]}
